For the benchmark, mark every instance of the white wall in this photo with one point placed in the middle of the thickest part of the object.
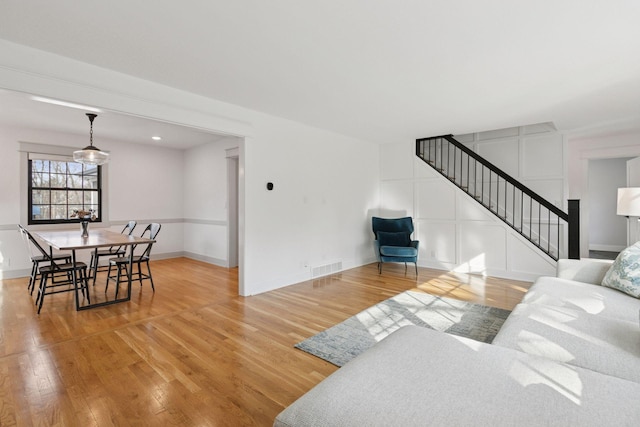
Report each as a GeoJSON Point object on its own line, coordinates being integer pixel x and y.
{"type": "Point", "coordinates": [205, 201]}
{"type": "Point", "coordinates": [326, 185]}
{"type": "Point", "coordinates": [326, 188]}
{"type": "Point", "coordinates": [456, 232]}
{"type": "Point", "coordinates": [13, 254]}
{"type": "Point", "coordinates": [607, 230]}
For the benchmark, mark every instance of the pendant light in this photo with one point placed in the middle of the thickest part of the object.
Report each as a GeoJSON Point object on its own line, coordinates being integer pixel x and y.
{"type": "Point", "coordinates": [91, 155]}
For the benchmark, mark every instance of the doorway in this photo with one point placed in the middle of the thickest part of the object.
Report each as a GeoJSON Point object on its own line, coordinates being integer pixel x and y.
{"type": "Point", "coordinates": [607, 230]}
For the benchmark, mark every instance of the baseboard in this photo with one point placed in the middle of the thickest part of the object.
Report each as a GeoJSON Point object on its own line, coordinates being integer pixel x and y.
{"type": "Point", "coordinates": [15, 274]}
{"type": "Point", "coordinates": [167, 255]}
{"type": "Point", "coordinates": [203, 258]}
{"type": "Point", "coordinates": [463, 269]}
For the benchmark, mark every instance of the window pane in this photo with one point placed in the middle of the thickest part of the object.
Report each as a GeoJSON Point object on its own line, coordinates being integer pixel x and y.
{"type": "Point", "coordinates": [90, 181]}
{"type": "Point", "coordinates": [39, 180]}
{"type": "Point", "coordinates": [40, 212]}
{"type": "Point", "coordinates": [59, 167]}
{"type": "Point", "coordinates": [74, 197]}
{"type": "Point", "coordinates": [74, 168]}
{"type": "Point", "coordinates": [74, 181]}
{"type": "Point", "coordinates": [58, 181]}
{"type": "Point", "coordinates": [40, 197]}
{"type": "Point", "coordinates": [91, 198]}
{"type": "Point", "coordinates": [59, 197]}
{"type": "Point", "coordinates": [59, 212]}
{"type": "Point", "coordinates": [40, 166]}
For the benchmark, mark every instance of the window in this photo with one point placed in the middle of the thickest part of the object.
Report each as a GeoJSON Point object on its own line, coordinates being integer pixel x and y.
{"type": "Point", "coordinates": [58, 186]}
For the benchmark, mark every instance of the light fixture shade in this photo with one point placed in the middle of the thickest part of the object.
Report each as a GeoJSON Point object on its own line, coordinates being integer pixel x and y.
{"type": "Point", "coordinates": [629, 201]}
{"type": "Point", "coordinates": [90, 155]}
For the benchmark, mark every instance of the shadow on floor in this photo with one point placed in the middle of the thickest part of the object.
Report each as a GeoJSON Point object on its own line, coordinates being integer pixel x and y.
{"type": "Point", "coordinates": [603, 254]}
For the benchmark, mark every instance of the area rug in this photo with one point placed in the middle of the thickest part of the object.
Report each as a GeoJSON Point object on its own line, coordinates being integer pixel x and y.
{"type": "Point", "coordinates": [346, 340]}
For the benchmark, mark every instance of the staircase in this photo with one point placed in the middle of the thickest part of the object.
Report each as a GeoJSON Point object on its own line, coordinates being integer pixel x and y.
{"type": "Point", "coordinates": [553, 231]}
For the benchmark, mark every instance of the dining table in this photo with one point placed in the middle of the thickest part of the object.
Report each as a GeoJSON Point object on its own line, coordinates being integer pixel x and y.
{"type": "Point", "coordinates": [72, 240]}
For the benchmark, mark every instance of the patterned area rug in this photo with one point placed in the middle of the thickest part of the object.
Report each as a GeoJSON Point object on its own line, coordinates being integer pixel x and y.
{"type": "Point", "coordinates": [346, 340]}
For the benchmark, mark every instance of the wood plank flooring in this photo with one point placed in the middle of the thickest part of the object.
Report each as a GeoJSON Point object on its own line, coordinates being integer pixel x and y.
{"type": "Point", "coordinates": [192, 353]}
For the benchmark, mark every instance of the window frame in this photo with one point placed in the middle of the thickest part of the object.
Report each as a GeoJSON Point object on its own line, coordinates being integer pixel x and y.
{"type": "Point", "coordinates": [30, 188]}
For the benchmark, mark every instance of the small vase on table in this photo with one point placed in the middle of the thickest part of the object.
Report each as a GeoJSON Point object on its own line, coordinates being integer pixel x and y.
{"type": "Point", "coordinates": [84, 226]}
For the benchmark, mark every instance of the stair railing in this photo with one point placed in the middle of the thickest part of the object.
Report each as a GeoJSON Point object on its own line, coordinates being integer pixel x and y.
{"type": "Point", "coordinates": [535, 218]}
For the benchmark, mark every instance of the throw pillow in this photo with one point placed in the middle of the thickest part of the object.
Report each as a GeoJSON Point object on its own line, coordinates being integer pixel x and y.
{"type": "Point", "coordinates": [386, 238]}
{"type": "Point", "coordinates": [624, 273]}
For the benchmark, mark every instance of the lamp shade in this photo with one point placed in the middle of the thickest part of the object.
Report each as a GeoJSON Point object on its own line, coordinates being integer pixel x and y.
{"type": "Point", "coordinates": [629, 201]}
{"type": "Point", "coordinates": [90, 155]}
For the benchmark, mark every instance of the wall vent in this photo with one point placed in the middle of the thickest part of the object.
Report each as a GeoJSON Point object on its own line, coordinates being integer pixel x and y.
{"type": "Point", "coordinates": [324, 270]}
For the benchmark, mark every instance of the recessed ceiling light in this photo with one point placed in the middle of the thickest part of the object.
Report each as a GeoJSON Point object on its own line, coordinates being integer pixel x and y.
{"type": "Point", "coordinates": [66, 104]}
{"type": "Point", "coordinates": [156, 138]}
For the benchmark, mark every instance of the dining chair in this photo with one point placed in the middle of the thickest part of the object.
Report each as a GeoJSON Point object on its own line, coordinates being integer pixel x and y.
{"type": "Point", "coordinates": [37, 260]}
{"type": "Point", "coordinates": [121, 263]}
{"type": "Point", "coordinates": [68, 270]}
{"type": "Point", "coordinates": [94, 266]}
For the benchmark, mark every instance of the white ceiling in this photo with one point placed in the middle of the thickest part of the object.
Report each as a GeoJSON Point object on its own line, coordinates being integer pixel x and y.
{"type": "Point", "coordinates": [21, 111]}
{"type": "Point", "coordinates": [379, 70]}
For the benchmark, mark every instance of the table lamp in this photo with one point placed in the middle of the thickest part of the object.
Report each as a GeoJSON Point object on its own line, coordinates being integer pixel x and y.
{"type": "Point", "coordinates": [629, 204]}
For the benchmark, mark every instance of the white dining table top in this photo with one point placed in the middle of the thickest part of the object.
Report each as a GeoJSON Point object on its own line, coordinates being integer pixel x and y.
{"type": "Point", "coordinates": [72, 239]}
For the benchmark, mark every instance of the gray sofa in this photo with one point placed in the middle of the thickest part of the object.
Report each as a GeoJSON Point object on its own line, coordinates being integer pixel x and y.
{"type": "Point", "coordinates": [569, 354]}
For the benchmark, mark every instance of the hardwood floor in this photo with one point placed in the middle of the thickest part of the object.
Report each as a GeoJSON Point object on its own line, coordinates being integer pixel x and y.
{"type": "Point", "coordinates": [193, 352]}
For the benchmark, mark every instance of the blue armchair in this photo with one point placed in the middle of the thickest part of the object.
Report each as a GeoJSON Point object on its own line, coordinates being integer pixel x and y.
{"type": "Point", "coordinates": [393, 241]}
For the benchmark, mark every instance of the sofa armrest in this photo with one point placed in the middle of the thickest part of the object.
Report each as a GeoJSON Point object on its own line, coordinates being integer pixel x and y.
{"type": "Point", "coordinates": [585, 270]}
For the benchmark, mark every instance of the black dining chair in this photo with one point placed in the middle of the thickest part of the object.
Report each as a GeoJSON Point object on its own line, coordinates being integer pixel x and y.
{"type": "Point", "coordinates": [65, 272]}
{"type": "Point", "coordinates": [94, 263]}
{"type": "Point", "coordinates": [37, 260]}
{"type": "Point", "coordinates": [121, 263]}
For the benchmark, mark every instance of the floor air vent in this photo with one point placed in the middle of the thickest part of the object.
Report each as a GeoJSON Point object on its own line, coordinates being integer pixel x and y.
{"type": "Point", "coordinates": [323, 270]}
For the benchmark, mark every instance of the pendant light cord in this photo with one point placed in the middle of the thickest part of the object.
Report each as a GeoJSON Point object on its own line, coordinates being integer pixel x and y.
{"type": "Point", "coordinates": [91, 117]}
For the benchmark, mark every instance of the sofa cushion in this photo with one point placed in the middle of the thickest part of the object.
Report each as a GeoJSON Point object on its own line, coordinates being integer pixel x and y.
{"type": "Point", "coordinates": [591, 341]}
{"type": "Point", "coordinates": [398, 251]}
{"type": "Point", "coordinates": [400, 238]}
{"type": "Point", "coordinates": [624, 273]}
{"type": "Point", "coordinates": [587, 270]}
{"type": "Point", "coordinates": [593, 299]}
{"type": "Point", "coordinates": [420, 377]}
